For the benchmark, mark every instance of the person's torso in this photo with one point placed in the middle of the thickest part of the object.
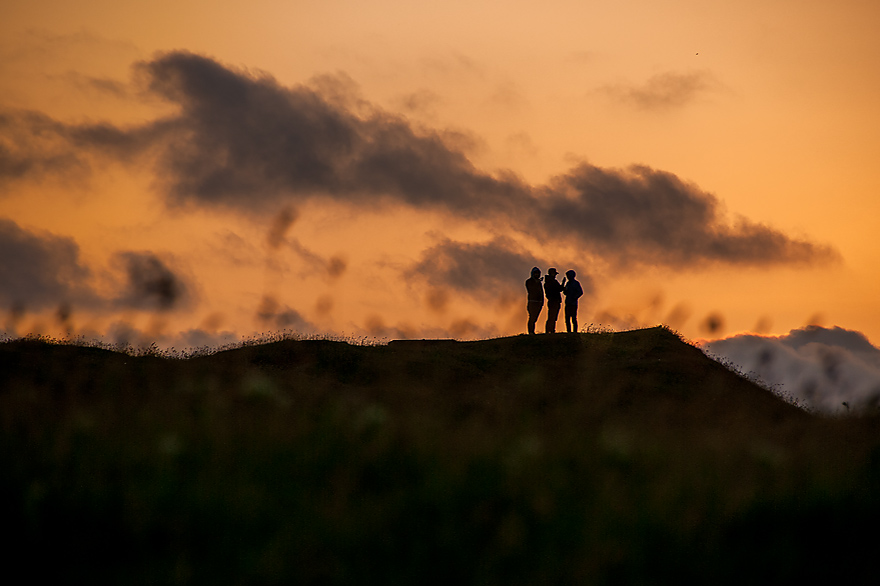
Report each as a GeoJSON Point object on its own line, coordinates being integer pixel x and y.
{"type": "Point", "coordinates": [533, 286]}
{"type": "Point", "coordinates": [553, 290]}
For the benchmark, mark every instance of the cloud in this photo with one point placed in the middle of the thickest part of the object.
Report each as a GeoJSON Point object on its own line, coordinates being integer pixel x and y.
{"type": "Point", "coordinates": [423, 102]}
{"type": "Point", "coordinates": [822, 368]}
{"type": "Point", "coordinates": [665, 91]}
{"type": "Point", "coordinates": [150, 283]}
{"type": "Point", "coordinates": [476, 268]}
{"type": "Point", "coordinates": [644, 216]}
{"type": "Point", "coordinates": [281, 224]}
{"type": "Point", "coordinates": [96, 85]}
{"type": "Point", "coordinates": [333, 267]}
{"type": "Point", "coordinates": [124, 335]}
{"type": "Point", "coordinates": [33, 145]}
{"type": "Point", "coordinates": [275, 315]}
{"type": "Point", "coordinates": [195, 340]}
{"type": "Point", "coordinates": [493, 272]}
{"type": "Point", "coordinates": [39, 271]}
{"type": "Point", "coordinates": [713, 324]}
{"type": "Point", "coordinates": [242, 141]}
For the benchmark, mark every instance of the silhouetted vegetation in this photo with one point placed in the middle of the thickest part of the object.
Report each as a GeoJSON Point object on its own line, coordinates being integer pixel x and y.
{"type": "Point", "coordinates": [595, 458]}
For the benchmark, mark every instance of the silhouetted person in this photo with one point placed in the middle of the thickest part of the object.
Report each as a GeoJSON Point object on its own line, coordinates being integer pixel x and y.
{"type": "Point", "coordinates": [554, 300]}
{"type": "Point", "coordinates": [536, 298]}
{"type": "Point", "coordinates": [573, 291]}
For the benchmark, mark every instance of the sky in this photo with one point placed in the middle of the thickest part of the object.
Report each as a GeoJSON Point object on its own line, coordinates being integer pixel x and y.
{"type": "Point", "coordinates": [195, 173]}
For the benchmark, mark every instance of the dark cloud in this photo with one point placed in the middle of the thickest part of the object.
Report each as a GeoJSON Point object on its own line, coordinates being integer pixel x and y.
{"type": "Point", "coordinates": [150, 283]}
{"type": "Point", "coordinates": [712, 324]}
{"type": "Point", "coordinates": [822, 368]}
{"type": "Point", "coordinates": [274, 314]}
{"type": "Point", "coordinates": [324, 305]}
{"type": "Point", "coordinates": [665, 90]}
{"type": "Point", "coordinates": [36, 147]}
{"type": "Point", "coordinates": [14, 317]}
{"type": "Point", "coordinates": [33, 146]}
{"type": "Point", "coordinates": [437, 300]}
{"type": "Point", "coordinates": [475, 268]}
{"type": "Point", "coordinates": [245, 138]}
{"type": "Point", "coordinates": [38, 271]}
{"type": "Point", "coordinates": [241, 140]}
{"type": "Point", "coordinates": [41, 271]}
{"type": "Point", "coordinates": [336, 266]}
{"type": "Point", "coordinates": [199, 340]}
{"type": "Point", "coordinates": [126, 336]}
{"type": "Point", "coordinates": [376, 327]}
{"type": "Point", "coordinates": [282, 222]}
{"type": "Point", "coordinates": [333, 267]}
{"type": "Point", "coordinates": [465, 328]}
{"type": "Point", "coordinates": [644, 216]}
{"type": "Point", "coordinates": [64, 314]}
{"type": "Point", "coordinates": [488, 271]}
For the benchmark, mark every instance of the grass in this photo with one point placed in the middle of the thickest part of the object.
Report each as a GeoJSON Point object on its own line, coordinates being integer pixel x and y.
{"type": "Point", "coordinates": [595, 458]}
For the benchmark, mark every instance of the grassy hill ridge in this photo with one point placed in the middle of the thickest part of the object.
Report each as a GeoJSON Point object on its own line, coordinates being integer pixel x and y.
{"type": "Point", "coordinates": [625, 457]}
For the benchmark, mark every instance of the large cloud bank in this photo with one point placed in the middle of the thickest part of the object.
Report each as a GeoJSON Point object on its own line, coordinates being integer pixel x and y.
{"type": "Point", "coordinates": [241, 140]}
{"type": "Point", "coordinates": [832, 370]}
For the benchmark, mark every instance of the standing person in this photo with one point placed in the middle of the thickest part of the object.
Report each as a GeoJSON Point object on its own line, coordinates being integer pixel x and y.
{"type": "Point", "coordinates": [573, 292]}
{"type": "Point", "coordinates": [554, 300]}
{"type": "Point", "coordinates": [536, 298]}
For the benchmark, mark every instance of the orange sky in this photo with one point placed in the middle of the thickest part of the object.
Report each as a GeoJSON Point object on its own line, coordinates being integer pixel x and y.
{"type": "Point", "coordinates": [473, 122]}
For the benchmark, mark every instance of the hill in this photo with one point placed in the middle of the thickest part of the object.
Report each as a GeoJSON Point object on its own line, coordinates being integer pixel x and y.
{"type": "Point", "coordinates": [596, 458]}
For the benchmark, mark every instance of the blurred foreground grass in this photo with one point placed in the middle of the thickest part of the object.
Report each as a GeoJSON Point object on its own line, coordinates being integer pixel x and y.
{"type": "Point", "coordinates": [602, 458]}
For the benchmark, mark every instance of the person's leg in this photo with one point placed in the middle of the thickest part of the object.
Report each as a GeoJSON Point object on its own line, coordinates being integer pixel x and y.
{"type": "Point", "coordinates": [534, 311]}
{"type": "Point", "coordinates": [552, 318]}
{"type": "Point", "coordinates": [568, 319]}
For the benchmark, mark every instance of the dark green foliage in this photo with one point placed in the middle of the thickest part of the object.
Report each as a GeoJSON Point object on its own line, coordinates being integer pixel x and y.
{"type": "Point", "coordinates": [601, 458]}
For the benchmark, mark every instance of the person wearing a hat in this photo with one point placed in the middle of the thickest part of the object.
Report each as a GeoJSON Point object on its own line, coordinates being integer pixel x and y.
{"type": "Point", "coordinates": [536, 298]}
{"type": "Point", "coordinates": [554, 300]}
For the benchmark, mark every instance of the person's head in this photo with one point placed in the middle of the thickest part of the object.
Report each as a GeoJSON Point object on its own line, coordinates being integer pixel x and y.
{"type": "Point", "coordinates": [570, 274]}
{"type": "Point", "coordinates": [552, 272]}
{"type": "Point", "coordinates": [536, 272]}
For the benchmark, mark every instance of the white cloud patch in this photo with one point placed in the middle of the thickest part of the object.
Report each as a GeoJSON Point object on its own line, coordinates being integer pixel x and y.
{"type": "Point", "coordinates": [831, 370]}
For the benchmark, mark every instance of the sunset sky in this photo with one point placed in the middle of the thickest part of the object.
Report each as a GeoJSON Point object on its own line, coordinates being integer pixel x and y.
{"type": "Point", "coordinates": [196, 172]}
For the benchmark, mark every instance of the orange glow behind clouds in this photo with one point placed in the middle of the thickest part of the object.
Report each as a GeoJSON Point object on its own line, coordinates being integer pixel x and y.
{"type": "Point", "coordinates": [771, 107]}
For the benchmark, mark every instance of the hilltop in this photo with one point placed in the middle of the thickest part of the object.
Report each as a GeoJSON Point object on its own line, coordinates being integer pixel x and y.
{"type": "Point", "coordinates": [615, 457]}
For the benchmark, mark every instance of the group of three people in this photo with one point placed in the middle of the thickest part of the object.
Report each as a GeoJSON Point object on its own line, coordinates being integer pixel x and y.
{"type": "Point", "coordinates": [554, 290]}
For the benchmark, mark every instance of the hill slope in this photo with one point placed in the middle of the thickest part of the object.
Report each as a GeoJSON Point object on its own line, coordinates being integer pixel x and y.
{"type": "Point", "coordinates": [610, 457]}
